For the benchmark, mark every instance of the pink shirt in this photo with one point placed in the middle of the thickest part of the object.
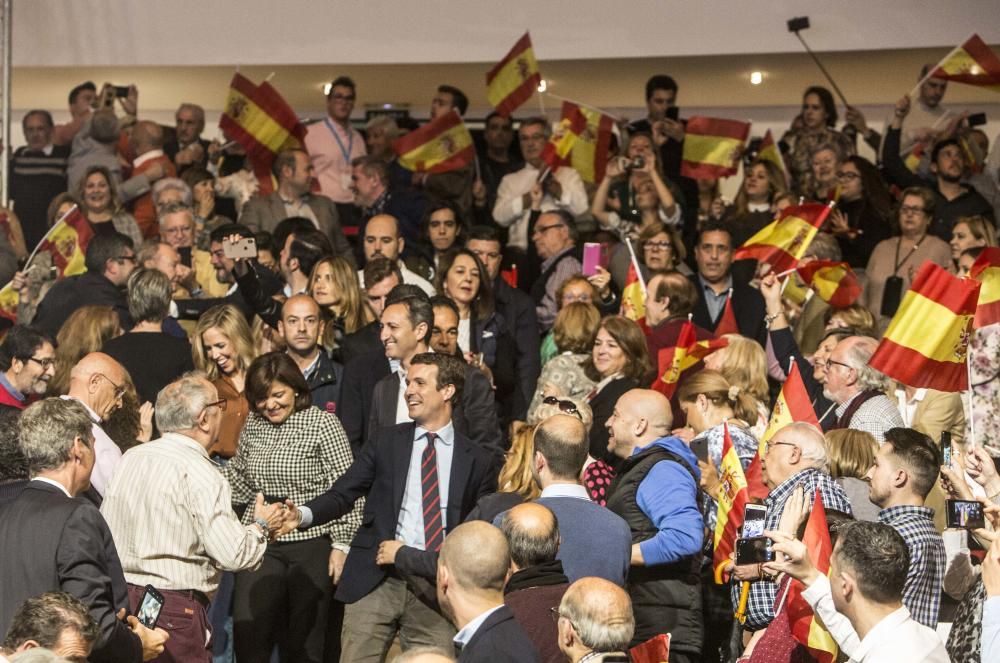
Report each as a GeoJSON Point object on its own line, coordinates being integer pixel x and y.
{"type": "Point", "coordinates": [327, 143]}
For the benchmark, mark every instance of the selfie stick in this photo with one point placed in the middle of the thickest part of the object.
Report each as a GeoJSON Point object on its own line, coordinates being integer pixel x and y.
{"type": "Point", "coordinates": [797, 24]}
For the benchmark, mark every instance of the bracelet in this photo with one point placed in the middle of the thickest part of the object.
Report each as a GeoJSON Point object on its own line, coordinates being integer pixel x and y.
{"type": "Point", "coordinates": [768, 319]}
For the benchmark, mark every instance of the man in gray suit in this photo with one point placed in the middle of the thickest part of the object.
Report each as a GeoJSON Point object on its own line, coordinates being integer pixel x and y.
{"type": "Point", "coordinates": [294, 173]}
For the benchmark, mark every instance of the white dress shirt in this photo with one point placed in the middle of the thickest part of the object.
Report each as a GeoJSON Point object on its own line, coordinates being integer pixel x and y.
{"type": "Point", "coordinates": [106, 452]}
{"type": "Point", "coordinates": [509, 210]}
{"type": "Point", "coordinates": [410, 278]}
{"type": "Point", "coordinates": [462, 637]}
{"type": "Point", "coordinates": [410, 527]}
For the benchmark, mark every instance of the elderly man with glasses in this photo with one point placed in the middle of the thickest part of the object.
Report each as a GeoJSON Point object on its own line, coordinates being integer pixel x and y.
{"type": "Point", "coordinates": [859, 390]}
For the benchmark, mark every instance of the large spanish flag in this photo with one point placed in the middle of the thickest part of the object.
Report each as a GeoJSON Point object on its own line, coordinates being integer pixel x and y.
{"type": "Point", "coordinates": [792, 405]}
{"type": "Point", "coordinates": [806, 627]}
{"type": "Point", "coordinates": [783, 242]}
{"type": "Point", "coordinates": [768, 151]}
{"type": "Point", "coordinates": [513, 80]}
{"type": "Point", "coordinates": [572, 125]}
{"type": "Point", "coordinates": [972, 63]}
{"type": "Point", "coordinates": [732, 498]}
{"type": "Point", "coordinates": [259, 119]}
{"type": "Point", "coordinates": [833, 282]}
{"type": "Point", "coordinates": [712, 147]}
{"type": "Point", "coordinates": [926, 342]}
{"type": "Point", "coordinates": [673, 362]}
{"type": "Point", "coordinates": [986, 270]}
{"type": "Point", "coordinates": [590, 153]}
{"type": "Point", "coordinates": [439, 146]}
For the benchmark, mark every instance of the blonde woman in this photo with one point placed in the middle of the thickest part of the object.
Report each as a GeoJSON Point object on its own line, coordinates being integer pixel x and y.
{"type": "Point", "coordinates": [223, 348]}
{"type": "Point", "coordinates": [851, 453]}
{"type": "Point", "coordinates": [971, 232]}
{"type": "Point", "coordinates": [743, 364]}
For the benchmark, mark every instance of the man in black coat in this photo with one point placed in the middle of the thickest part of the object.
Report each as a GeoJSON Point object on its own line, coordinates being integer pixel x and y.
{"type": "Point", "coordinates": [391, 472]}
{"type": "Point", "coordinates": [53, 542]}
{"type": "Point", "coordinates": [472, 572]}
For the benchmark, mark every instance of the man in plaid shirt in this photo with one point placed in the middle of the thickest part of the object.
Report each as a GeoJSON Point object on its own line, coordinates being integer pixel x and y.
{"type": "Point", "coordinates": [905, 470]}
{"type": "Point", "coordinates": [795, 456]}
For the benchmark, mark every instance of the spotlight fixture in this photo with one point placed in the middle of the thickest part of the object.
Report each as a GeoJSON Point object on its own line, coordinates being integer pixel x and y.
{"type": "Point", "coordinates": [756, 78]}
{"type": "Point", "coordinates": [543, 86]}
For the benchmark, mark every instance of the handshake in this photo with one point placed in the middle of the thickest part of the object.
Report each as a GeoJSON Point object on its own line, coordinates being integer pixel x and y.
{"type": "Point", "coordinates": [281, 517]}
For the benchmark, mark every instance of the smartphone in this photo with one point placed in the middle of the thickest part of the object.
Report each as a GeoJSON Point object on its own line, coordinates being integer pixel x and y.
{"type": "Point", "coordinates": [753, 520]}
{"type": "Point", "coordinates": [699, 446]}
{"type": "Point", "coordinates": [674, 113]}
{"type": "Point", "coordinates": [243, 248]}
{"type": "Point", "coordinates": [121, 91]}
{"type": "Point", "coordinates": [591, 258]}
{"type": "Point", "coordinates": [977, 119]}
{"type": "Point", "coordinates": [150, 606]}
{"type": "Point", "coordinates": [946, 448]}
{"type": "Point", "coordinates": [756, 550]}
{"type": "Point", "coordinates": [185, 253]}
{"type": "Point", "coordinates": [965, 514]}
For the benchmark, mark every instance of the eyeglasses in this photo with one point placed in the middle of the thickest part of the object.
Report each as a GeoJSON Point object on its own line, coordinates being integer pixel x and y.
{"type": "Point", "coordinates": [540, 230]}
{"type": "Point", "coordinates": [221, 404]}
{"type": "Point", "coordinates": [566, 407]}
{"type": "Point", "coordinates": [659, 246]}
{"type": "Point", "coordinates": [847, 176]}
{"type": "Point", "coordinates": [119, 389]}
{"type": "Point", "coordinates": [839, 363]}
{"type": "Point", "coordinates": [911, 209]}
{"type": "Point", "coordinates": [44, 363]}
{"type": "Point", "coordinates": [130, 258]}
{"type": "Point", "coordinates": [768, 445]}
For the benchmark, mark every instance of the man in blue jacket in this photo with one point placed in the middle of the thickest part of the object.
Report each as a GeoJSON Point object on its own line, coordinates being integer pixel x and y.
{"type": "Point", "coordinates": [656, 492]}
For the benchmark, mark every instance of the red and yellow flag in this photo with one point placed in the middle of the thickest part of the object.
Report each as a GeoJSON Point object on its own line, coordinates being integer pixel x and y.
{"type": "Point", "coordinates": [806, 627]}
{"type": "Point", "coordinates": [915, 156]}
{"type": "Point", "coordinates": [633, 296]}
{"type": "Point", "coordinates": [986, 270]}
{"type": "Point", "coordinates": [654, 650]}
{"type": "Point", "coordinates": [783, 242]}
{"type": "Point", "coordinates": [672, 362]}
{"type": "Point", "coordinates": [833, 282]}
{"type": "Point", "coordinates": [926, 342]}
{"type": "Point", "coordinates": [258, 118]}
{"type": "Point", "coordinates": [441, 145]}
{"type": "Point", "coordinates": [567, 132]}
{"type": "Point", "coordinates": [733, 497]}
{"type": "Point", "coordinates": [513, 80]}
{"type": "Point", "coordinates": [712, 147]}
{"type": "Point", "coordinates": [727, 321]}
{"type": "Point", "coordinates": [972, 63]}
{"type": "Point", "coordinates": [768, 151]}
{"type": "Point", "coordinates": [590, 152]}
{"type": "Point", "coordinates": [792, 405]}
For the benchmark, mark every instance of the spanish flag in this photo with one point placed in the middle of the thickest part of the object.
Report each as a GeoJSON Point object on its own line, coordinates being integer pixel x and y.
{"type": "Point", "coordinates": [513, 80]}
{"type": "Point", "coordinates": [768, 151]}
{"type": "Point", "coordinates": [783, 242]}
{"type": "Point", "coordinates": [792, 405]}
{"type": "Point", "coordinates": [654, 650]}
{"type": "Point", "coordinates": [727, 321]}
{"type": "Point", "coordinates": [926, 342]}
{"type": "Point", "coordinates": [567, 132]}
{"type": "Point", "coordinates": [672, 362]}
{"type": "Point", "coordinates": [972, 63]}
{"type": "Point", "coordinates": [633, 296]}
{"type": "Point", "coordinates": [833, 282]}
{"type": "Point", "coordinates": [732, 498]}
{"type": "Point", "coordinates": [590, 152]}
{"type": "Point", "coordinates": [914, 158]}
{"type": "Point", "coordinates": [259, 119]}
{"type": "Point", "coordinates": [712, 147]}
{"type": "Point", "coordinates": [806, 627]}
{"type": "Point", "coordinates": [439, 146]}
{"type": "Point", "coordinates": [986, 270]}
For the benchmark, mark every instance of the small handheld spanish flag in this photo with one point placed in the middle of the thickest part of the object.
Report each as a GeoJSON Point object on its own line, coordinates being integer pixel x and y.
{"type": "Point", "coordinates": [972, 63]}
{"type": "Point", "coordinates": [732, 499]}
{"type": "Point", "coordinates": [986, 270]}
{"type": "Point", "coordinates": [556, 152]}
{"type": "Point", "coordinates": [673, 362]}
{"type": "Point", "coordinates": [783, 242]}
{"type": "Point", "coordinates": [806, 627]}
{"type": "Point", "coordinates": [833, 282]}
{"type": "Point", "coordinates": [442, 145]}
{"type": "Point", "coordinates": [513, 80]}
{"type": "Point", "coordinates": [712, 147]}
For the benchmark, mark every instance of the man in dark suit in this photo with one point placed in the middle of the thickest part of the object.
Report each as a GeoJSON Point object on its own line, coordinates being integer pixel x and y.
{"type": "Point", "coordinates": [406, 471]}
{"type": "Point", "coordinates": [187, 148]}
{"type": "Point", "coordinates": [55, 542]}
{"type": "Point", "coordinates": [472, 572]}
{"type": "Point", "coordinates": [382, 275]}
{"type": "Point", "coordinates": [715, 283]}
{"type": "Point", "coordinates": [294, 173]}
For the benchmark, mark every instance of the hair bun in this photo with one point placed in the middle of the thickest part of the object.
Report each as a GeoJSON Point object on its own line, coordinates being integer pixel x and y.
{"type": "Point", "coordinates": [734, 392]}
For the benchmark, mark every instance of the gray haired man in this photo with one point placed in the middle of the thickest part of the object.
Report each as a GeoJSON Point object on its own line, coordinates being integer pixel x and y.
{"type": "Point", "coordinates": [859, 390]}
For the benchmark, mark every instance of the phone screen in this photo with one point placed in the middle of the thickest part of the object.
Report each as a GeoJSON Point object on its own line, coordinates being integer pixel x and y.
{"type": "Point", "coordinates": [946, 448]}
{"type": "Point", "coordinates": [965, 514]}
{"type": "Point", "coordinates": [753, 520]}
{"type": "Point", "coordinates": [149, 608]}
{"type": "Point", "coordinates": [755, 550]}
{"type": "Point", "coordinates": [673, 113]}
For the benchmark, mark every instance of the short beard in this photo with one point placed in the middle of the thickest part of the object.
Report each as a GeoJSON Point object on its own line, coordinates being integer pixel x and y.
{"type": "Point", "coordinates": [950, 179]}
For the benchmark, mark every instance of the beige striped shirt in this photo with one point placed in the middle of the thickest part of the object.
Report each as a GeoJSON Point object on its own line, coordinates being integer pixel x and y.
{"type": "Point", "coordinates": [170, 512]}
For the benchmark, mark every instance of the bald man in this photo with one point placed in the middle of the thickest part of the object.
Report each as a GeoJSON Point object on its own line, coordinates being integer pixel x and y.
{"type": "Point", "coordinates": [595, 617]}
{"type": "Point", "coordinates": [472, 570]}
{"type": "Point", "coordinates": [656, 493]}
{"type": "Point", "coordinates": [302, 326]}
{"type": "Point", "coordinates": [537, 583]}
{"type": "Point", "coordinates": [99, 383]}
{"type": "Point", "coordinates": [146, 143]}
{"type": "Point", "coordinates": [383, 237]}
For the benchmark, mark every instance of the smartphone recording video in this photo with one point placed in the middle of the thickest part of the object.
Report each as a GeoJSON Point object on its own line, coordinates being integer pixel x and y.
{"type": "Point", "coordinates": [756, 550]}
{"type": "Point", "coordinates": [965, 514]}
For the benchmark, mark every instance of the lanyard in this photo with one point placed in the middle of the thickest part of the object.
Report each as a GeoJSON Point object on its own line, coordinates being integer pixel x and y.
{"type": "Point", "coordinates": [340, 143]}
{"type": "Point", "coordinates": [899, 263]}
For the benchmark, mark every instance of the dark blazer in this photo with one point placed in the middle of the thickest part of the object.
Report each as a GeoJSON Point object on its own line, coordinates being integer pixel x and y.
{"type": "Point", "coordinates": [499, 638]}
{"type": "Point", "coordinates": [603, 405]}
{"type": "Point", "coordinates": [361, 374]}
{"type": "Point", "coordinates": [379, 474]}
{"type": "Point", "coordinates": [54, 543]}
{"type": "Point", "coordinates": [90, 289]}
{"type": "Point", "coordinates": [518, 311]}
{"type": "Point", "coordinates": [172, 147]}
{"type": "Point", "coordinates": [266, 212]}
{"type": "Point", "coordinates": [364, 341]}
{"type": "Point", "coordinates": [475, 417]}
{"type": "Point", "coordinates": [748, 307]}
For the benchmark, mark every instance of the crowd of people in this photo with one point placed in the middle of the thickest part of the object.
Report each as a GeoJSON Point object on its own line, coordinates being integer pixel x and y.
{"type": "Point", "coordinates": [377, 408]}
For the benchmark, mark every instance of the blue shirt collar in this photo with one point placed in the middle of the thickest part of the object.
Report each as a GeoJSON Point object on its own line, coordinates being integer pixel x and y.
{"type": "Point", "coordinates": [10, 388]}
{"type": "Point", "coordinates": [446, 435]}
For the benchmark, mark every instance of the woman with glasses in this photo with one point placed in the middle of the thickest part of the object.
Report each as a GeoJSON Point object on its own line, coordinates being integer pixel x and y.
{"type": "Point", "coordinates": [102, 206]}
{"type": "Point", "coordinates": [861, 218]}
{"type": "Point", "coordinates": [895, 261]}
{"type": "Point", "coordinates": [223, 349]}
{"type": "Point", "coordinates": [288, 449]}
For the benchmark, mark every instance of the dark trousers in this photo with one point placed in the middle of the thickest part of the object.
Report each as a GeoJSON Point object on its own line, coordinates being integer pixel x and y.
{"type": "Point", "coordinates": [185, 617]}
{"type": "Point", "coordinates": [284, 602]}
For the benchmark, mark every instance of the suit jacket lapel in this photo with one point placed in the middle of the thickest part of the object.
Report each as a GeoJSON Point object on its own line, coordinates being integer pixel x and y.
{"type": "Point", "coordinates": [461, 469]}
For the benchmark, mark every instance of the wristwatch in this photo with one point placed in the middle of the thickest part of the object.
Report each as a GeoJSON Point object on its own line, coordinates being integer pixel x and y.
{"type": "Point", "coordinates": [262, 524]}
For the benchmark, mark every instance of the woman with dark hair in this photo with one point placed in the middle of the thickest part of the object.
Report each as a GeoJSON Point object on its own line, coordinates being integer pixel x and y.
{"type": "Point", "coordinates": [618, 362]}
{"type": "Point", "coordinates": [810, 129]}
{"type": "Point", "coordinates": [861, 219]}
{"type": "Point", "coordinates": [288, 449]}
{"type": "Point", "coordinates": [101, 204]}
{"type": "Point", "coordinates": [206, 217]}
{"type": "Point", "coordinates": [441, 229]}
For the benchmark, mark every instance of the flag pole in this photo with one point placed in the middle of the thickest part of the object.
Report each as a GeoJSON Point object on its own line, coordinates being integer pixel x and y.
{"type": "Point", "coordinates": [580, 104]}
{"type": "Point", "coordinates": [27, 263]}
{"type": "Point", "coordinates": [832, 405]}
{"type": "Point", "coordinates": [972, 415]}
{"type": "Point", "coordinates": [929, 75]}
{"type": "Point", "coordinates": [635, 263]}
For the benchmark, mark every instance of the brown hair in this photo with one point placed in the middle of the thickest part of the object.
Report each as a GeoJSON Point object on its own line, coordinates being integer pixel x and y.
{"type": "Point", "coordinates": [353, 308]}
{"type": "Point", "coordinates": [776, 185]}
{"type": "Point", "coordinates": [746, 366]}
{"type": "Point", "coordinates": [451, 370]}
{"type": "Point", "coordinates": [276, 367]}
{"type": "Point", "coordinates": [980, 227]}
{"type": "Point", "coordinates": [629, 337]}
{"type": "Point", "coordinates": [856, 317]}
{"type": "Point", "coordinates": [678, 252]}
{"type": "Point", "coordinates": [713, 386]}
{"type": "Point", "coordinates": [850, 452]}
{"type": "Point", "coordinates": [515, 475]}
{"type": "Point", "coordinates": [679, 289]}
{"type": "Point", "coordinates": [85, 331]}
{"type": "Point", "coordinates": [576, 278]}
{"type": "Point", "coordinates": [575, 327]}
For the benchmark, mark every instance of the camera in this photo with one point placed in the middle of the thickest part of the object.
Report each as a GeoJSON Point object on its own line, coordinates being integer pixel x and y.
{"type": "Point", "coordinates": [635, 164]}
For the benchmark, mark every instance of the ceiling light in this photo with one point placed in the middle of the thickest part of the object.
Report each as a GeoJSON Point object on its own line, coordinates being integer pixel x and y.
{"type": "Point", "coordinates": [756, 78]}
{"type": "Point", "coordinates": [543, 86]}
{"type": "Point", "coordinates": [327, 87]}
